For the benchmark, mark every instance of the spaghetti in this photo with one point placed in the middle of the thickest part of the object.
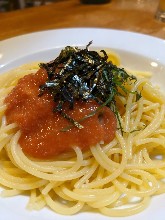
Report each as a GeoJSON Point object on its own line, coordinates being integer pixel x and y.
{"type": "Point", "coordinates": [122, 175]}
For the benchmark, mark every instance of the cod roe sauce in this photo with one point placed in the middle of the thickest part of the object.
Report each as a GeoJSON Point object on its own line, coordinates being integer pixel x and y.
{"type": "Point", "coordinates": [41, 135]}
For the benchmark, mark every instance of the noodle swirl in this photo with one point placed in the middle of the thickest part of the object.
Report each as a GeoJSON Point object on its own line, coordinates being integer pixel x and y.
{"type": "Point", "coordinates": [117, 179]}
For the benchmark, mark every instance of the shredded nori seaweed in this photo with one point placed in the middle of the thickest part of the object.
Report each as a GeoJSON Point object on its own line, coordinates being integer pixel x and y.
{"type": "Point", "coordinates": [81, 74]}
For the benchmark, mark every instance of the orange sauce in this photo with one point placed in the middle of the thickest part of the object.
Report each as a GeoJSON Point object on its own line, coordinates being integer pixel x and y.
{"type": "Point", "coordinates": [162, 5]}
{"type": "Point", "coordinates": [41, 135]}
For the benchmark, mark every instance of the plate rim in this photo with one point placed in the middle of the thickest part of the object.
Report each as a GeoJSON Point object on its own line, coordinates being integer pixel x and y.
{"type": "Point", "coordinates": [83, 28]}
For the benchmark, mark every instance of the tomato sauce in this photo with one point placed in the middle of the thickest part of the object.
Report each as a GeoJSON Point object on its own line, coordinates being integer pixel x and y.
{"type": "Point", "coordinates": [41, 128]}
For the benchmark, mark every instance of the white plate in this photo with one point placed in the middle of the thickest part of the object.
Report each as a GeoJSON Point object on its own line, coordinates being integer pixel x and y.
{"type": "Point", "coordinates": [137, 51]}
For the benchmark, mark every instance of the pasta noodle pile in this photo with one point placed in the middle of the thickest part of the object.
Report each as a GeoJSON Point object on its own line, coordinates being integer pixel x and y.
{"type": "Point", "coordinates": [122, 175]}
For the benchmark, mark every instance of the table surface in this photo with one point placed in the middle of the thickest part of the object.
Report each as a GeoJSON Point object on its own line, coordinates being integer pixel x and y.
{"type": "Point", "coordinates": [131, 15]}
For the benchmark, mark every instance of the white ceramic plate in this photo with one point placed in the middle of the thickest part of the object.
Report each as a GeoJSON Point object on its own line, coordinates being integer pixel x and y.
{"type": "Point", "coordinates": [137, 51]}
